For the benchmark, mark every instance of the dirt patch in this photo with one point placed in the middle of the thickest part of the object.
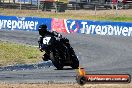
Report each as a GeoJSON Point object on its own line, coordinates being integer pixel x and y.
{"type": "Point", "coordinates": [127, 12]}
{"type": "Point", "coordinates": [3, 85]}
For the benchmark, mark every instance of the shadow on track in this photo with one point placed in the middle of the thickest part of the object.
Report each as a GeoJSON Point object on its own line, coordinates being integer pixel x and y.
{"type": "Point", "coordinates": [66, 69]}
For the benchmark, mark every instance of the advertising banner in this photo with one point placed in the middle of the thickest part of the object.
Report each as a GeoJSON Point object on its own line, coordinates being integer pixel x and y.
{"type": "Point", "coordinates": [67, 25]}
{"type": "Point", "coordinates": [23, 23]}
{"type": "Point", "coordinates": [100, 27]}
{"type": "Point", "coordinates": [92, 27]}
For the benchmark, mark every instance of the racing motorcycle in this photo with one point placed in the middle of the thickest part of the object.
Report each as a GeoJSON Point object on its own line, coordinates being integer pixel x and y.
{"type": "Point", "coordinates": [60, 52]}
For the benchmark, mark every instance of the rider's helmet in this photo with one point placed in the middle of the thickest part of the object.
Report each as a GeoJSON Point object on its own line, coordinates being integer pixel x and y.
{"type": "Point", "coordinates": [42, 29]}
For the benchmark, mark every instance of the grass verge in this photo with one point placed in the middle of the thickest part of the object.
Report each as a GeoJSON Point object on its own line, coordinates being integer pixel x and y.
{"type": "Point", "coordinates": [11, 54]}
{"type": "Point", "coordinates": [105, 15]}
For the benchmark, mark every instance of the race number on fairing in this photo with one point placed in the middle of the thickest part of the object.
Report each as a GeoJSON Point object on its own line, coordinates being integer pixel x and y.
{"type": "Point", "coordinates": [46, 40]}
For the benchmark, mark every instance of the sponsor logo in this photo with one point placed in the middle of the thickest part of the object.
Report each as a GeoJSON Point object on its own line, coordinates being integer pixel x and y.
{"type": "Point", "coordinates": [74, 27]}
{"type": "Point", "coordinates": [20, 24]}
{"type": "Point", "coordinates": [106, 29]}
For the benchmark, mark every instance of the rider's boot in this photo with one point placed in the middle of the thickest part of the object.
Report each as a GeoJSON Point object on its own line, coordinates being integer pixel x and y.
{"type": "Point", "coordinates": [45, 57]}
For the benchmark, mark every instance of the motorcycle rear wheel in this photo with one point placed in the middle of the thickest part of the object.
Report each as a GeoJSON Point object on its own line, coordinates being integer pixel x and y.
{"type": "Point", "coordinates": [55, 60]}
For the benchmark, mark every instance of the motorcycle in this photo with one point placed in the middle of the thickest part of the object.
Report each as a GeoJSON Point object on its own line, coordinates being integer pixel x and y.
{"type": "Point", "coordinates": [60, 52]}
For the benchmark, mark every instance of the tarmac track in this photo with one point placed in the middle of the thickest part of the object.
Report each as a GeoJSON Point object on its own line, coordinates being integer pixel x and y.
{"type": "Point", "coordinates": [97, 54]}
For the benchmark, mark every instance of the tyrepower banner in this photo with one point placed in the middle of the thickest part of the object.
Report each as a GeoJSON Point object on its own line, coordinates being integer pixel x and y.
{"type": "Point", "coordinates": [92, 27]}
{"type": "Point", "coordinates": [23, 23]}
{"type": "Point", "coordinates": [67, 25]}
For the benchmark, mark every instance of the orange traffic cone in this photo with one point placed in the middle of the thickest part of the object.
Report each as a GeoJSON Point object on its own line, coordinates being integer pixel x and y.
{"type": "Point", "coordinates": [82, 71]}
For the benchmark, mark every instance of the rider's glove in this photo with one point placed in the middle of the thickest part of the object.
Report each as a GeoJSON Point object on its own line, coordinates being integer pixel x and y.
{"type": "Point", "coordinates": [59, 35]}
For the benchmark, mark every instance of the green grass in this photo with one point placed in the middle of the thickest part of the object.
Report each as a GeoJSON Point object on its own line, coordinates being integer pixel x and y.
{"type": "Point", "coordinates": [11, 53]}
{"type": "Point", "coordinates": [65, 1]}
{"type": "Point", "coordinates": [121, 18]}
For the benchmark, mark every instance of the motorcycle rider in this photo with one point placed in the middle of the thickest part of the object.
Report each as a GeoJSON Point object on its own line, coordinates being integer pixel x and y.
{"type": "Point", "coordinates": [43, 32]}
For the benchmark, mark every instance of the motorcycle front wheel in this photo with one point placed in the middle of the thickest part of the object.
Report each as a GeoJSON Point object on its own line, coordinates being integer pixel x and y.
{"type": "Point", "coordinates": [75, 62]}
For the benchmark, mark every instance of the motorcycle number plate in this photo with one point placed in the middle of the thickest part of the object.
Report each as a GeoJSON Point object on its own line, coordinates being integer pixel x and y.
{"type": "Point", "coordinates": [46, 40]}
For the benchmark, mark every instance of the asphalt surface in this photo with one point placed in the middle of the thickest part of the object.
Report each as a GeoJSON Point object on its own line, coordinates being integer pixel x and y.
{"type": "Point", "coordinates": [97, 54]}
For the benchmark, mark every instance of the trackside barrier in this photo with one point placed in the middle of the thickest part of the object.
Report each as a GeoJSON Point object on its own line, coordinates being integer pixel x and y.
{"type": "Point", "coordinates": [23, 23]}
{"type": "Point", "coordinates": [67, 25]}
{"type": "Point", "coordinates": [96, 27]}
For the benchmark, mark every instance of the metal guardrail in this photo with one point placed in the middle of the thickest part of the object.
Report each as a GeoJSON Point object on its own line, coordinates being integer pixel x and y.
{"type": "Point", "coordinates": [60, 6]}
{"type": "Point", "coordinates": [17, 6]}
